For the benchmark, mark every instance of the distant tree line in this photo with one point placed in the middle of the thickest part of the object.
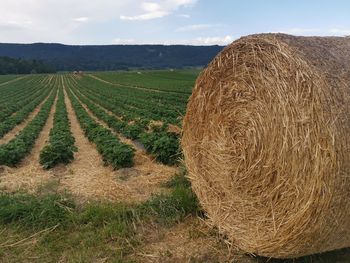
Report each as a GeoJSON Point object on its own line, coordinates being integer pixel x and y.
{"type": "Point", "coordinates": [21, 66]}
{"type": "Point", "coordinates": [112, 57]}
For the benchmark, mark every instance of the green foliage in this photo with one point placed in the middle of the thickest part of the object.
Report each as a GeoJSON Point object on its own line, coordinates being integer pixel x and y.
{"type": "Point", "coordinates": [19, 66]}
{"type": "Point", "coordinates": [135, 113]}
{"type": "Point", "coordinates": [163, 145]}
{"type": "Point", "coordinates": [178, 180]}
{"type": "Point", "coordinates": [16, 149]}
{"type": "Point", "coordinates": [113, 151]}
{"type": "Point", "coordinates": [89, 232]}
{"type": "Point", "coordinates": [24, 109]}
{"type": "Point", "coordinates": [114, 57]}
{"type": "Point", "coordinates": [61, 143]}
{"type": "Point", "coordinates": [132, 131]}
{"type": "Point", "coordinates": [34, 211]}
{"type": "Point", "coordinates": [172, 208]}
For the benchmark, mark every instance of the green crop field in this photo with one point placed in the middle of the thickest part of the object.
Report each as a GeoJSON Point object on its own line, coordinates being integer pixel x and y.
{"type": "Point", "coordinates": [90, 171]}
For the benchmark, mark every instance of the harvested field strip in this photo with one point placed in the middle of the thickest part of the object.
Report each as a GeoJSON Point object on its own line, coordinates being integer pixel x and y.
{"type": "Point", "coordinates": [17, 148]}
{"type": "Point", "coordinates": [114, 152]}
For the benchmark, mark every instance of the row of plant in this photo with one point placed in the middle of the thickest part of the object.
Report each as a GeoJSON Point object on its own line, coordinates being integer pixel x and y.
{"type": "Point", "coordinates": [16, 149]}
{"type": "Point", "coordinates": [60, 148]}
{"type": "Point", "coordinates": [177, 81]}
{"type": "Point", "coordinates": [14, 103]}
{"type": "Point", "coordinates": [22, 114]}
{"type": "Point", "coordinates": [158, 141]}
{"type": "Point", "coordinates": [155, 105]}
{"type": "Point", "coordinates": [18, 88]}
{"type": "Point", "coordinates": [112, 150]}
{"type": "Point", "coordinates": [132, 107]}
{"type": "Point", "coordinates": [130, 131]}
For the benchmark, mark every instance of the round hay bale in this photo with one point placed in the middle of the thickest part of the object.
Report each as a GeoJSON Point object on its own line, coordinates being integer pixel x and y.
{"type": "Point", "coordinates": [266, 141]}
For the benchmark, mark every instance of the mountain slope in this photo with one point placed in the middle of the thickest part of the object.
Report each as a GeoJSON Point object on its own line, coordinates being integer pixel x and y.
{"type": "Point", "coordinates": [112, 57]}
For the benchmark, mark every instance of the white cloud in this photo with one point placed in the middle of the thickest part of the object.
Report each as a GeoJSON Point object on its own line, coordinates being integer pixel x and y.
{"type": "Point", "coordinates": [14, 25]}
{"type": "Point", "coordinates": [199, 41]}
{"type": "Point", "coordinates": [317, 31]}
{"type": "Point", "coordinates": [153, 10]}
{"type": "Point", "coordinates": [340, 31]}
{"type": "Point", "coordinates": [147, 16]}
{"type": "Point", "coordinates": [193, 27]}
{"type": "Point", "coordinates": [302, 30]}
{"type": "Point", "coordinates": [53, 21]}
{"type": "Point", "coordinates": [120, 41]}
{"type": "Point", "coordinates": [184, 16]}
{"type": "Point", "coordinates": [224, 40]}
{"type": "Point", "coordinates": [81, 19]}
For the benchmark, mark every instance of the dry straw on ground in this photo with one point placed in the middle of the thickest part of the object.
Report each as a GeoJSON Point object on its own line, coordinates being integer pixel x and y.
{"type": "Point", "coordinates": [266, 140]}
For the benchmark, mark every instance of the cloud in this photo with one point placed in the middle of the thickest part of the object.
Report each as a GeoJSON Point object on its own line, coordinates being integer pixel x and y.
{"type": "Point", "coordinates": [120, 41]}
{"type": "Point", "coordinates": [224, 40]}
{"type": "Point", "coordinates": [340, 31]}
{"type": "Point", "coordinates": [153, 10]}
{"type": "Point", "coordinates": [193, 27]}
{"type": "Point", "coordinates": [199, 41]}
{"type": "Point", "coordinates": [12, 25]}
{"type": "Point", "coordinates": [147, 16]}
{"type": "Point", "coordinates": [81, 19]}
{"type": "Point", "coordinates": [302, 30]}
{"type": "Point", "coordinates": [184, 15]}
{"type": "Point", "coordinates": [317, 31]}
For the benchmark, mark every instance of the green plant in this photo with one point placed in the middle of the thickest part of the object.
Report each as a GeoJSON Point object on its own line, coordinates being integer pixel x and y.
{"type": "Point", "coordinates": [61, 143]}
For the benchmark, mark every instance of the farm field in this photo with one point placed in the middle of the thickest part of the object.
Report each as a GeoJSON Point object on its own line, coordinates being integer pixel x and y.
{"type": "Point", "coordinates": [90, 171]}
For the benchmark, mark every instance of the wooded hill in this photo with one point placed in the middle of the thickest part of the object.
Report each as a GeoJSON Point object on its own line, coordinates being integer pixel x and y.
{"type": "Point", "coordinates": [112, 57]}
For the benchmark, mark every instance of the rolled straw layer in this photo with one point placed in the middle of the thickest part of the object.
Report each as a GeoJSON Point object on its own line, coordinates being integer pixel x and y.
{"type": "Point", "coordinates": [266, 140]}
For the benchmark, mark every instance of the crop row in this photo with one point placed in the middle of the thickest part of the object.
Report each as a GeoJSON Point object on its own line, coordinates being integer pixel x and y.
{"type": "Point", "coordinates": [16, 149]}
{"type": "Point", "coordinates": [145, 103]}
{"type": "Point", "coordinates": [60, 148]}
{"type": "Point", "coordinates": [131, 108]}
{"type": "Point", "coordinates": [22, 114]}
{"type": "Point", "coordinates": [19, 88]}
{"type": "Point", "coordinates": [163, 80]}
{"type": "Point", "coordinates": [14, 103]}
{"type": "Point", "coordinates": [158, 141]}
{"type": "Point", "coordinates": [112, 150]}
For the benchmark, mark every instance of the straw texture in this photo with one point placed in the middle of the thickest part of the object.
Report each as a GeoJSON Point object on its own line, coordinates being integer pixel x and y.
{"type": "Point", "coordinates": [266, 140]}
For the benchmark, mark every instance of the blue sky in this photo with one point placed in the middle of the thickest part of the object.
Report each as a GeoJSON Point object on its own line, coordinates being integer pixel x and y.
{"type": "Point", "coordinates": [198, 22]}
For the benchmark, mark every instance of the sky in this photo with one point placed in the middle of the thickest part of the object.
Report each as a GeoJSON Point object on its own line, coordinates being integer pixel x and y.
{"type": "Point", "coordinates": [194, 22]}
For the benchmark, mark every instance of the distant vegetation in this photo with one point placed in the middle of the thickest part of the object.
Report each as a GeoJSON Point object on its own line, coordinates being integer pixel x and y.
{"type": "Point", "coordinates": [20, 66]}
{"type": "Point", "coordinates": [112, 57]}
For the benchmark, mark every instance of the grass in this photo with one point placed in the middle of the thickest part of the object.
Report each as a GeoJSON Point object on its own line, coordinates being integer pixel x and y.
{"type": "Point", "coordinates": [49, 227]}
{"type": "Point", "coordinates": [52, 228]}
